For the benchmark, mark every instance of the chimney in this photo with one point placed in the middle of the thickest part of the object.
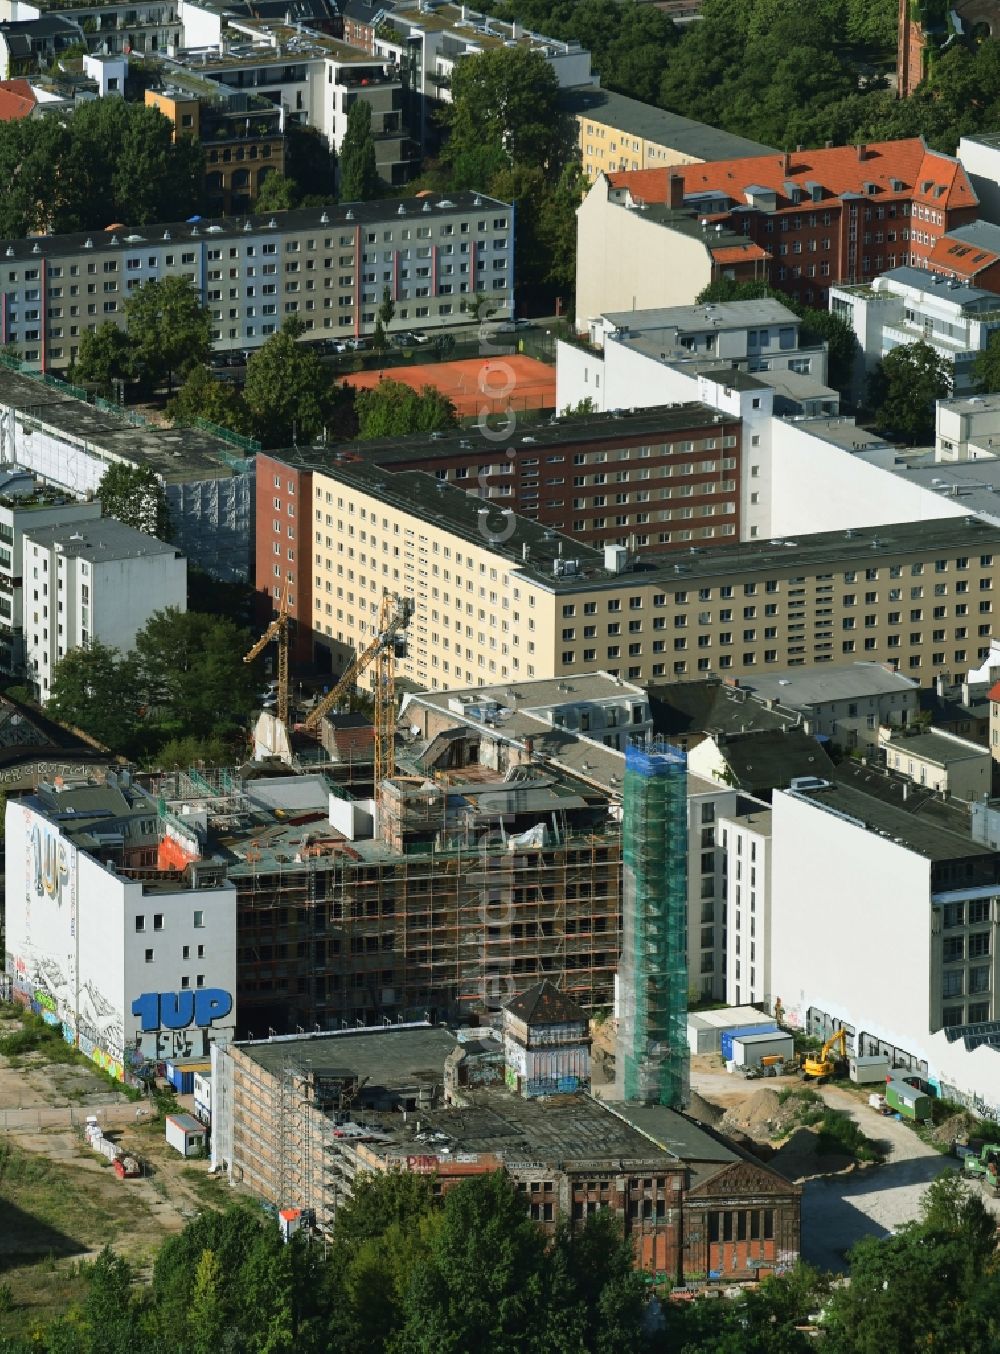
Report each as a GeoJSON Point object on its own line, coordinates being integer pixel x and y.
{"type": "Point", "coordinates": [675, 191]}
{"type": "Point", "coordinates": [862, 151]}
{"type": "Point", "coordinates": [786, 163]}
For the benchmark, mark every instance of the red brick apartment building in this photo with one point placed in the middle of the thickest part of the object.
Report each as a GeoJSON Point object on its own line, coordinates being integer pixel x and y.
{"type": "Point", "coordinates": [601, 479]}
{"type": "Point", "coordinates": [843, 214]}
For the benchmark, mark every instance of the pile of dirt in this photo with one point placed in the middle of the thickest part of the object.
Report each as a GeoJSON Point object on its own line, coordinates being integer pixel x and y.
{"type": "Point", "coordinates": [958, 1126]}
{"type": "Point", "coordinates": [797, 1159]}
{"type": "Point", "coordinates": [766, 1115]}
{"type": "Point", "coordinates": [703, 1110]}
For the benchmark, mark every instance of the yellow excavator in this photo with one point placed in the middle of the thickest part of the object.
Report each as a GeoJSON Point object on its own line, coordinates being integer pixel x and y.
{"type": "Point", "coordinates": [824, 1065]}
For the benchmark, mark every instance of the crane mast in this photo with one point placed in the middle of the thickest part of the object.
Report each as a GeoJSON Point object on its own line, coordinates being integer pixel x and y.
{"type": "Point", "coordinates": [277, 631]}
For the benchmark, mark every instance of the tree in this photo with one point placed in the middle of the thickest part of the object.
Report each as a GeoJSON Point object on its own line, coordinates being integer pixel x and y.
{"type": "Point", "coordinates": [843, 348]}
{"type": "Point", "coordinates": [484, 1283]}
{"type": "Point", "coordinates": [311, 164]}
{"type": "Point", "coordinates": [505, 107]}
{"type": "Point", "coordinates": [208, 1316]}
{"type": "Point", "coordinates": [595, 1297]}
{"type": "Point", "coordinates": [393, 409]}
{"type": "Point", "coordinates": [170, 328]}
{"type": "Point", "coordinates": [204, 396]}
{"type": "Point", "coordinates": [94, 689]}
{"type": "Point", "coordinates": [106, 355]}
{"type": "Point", "coordinates": [192, 675]}
{"type": "Point", "coordinates": [903, 390]}
{"type": "Point", "coordinates": [359, 178]}
{"type": "Point", "coordinates": [132, 494]}
{"type": "Point", "coordinates": [287, 390]}
{"type": "Point", "coordinates": [277, 194]}
{"type": "Point", "coordinates": [387, 308]}
{"type": "Point", "coordinates": [986, 368]}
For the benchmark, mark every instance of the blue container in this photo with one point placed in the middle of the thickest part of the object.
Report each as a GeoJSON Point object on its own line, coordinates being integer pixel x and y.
{"type": "Point", "coordinates": [729, 1035]}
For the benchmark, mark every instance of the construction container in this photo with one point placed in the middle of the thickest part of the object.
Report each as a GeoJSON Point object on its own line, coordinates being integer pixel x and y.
{"type": "Point", "coordinates": [729, 1037]}
{"type": "Point", "coordinates": [748, 1049]}
{"type": "Point", "coordinates": [181, 1075]}
{"type": "Point", "coordinates": [907, 1101]}
{"type": "Point", "coordinates": [869, 1069]}
{"type": "Point", "coordinates": [705, 1028]}
{"type": "Point", "coordinates": [185, 1134]}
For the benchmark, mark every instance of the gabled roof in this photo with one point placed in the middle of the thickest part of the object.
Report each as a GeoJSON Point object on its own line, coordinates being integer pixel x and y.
{"type": "Point", "coordinates": [769, 759]}
{"type": "Point", "coordinates": [902, 169]}
{"type": "Point", "coordinates": [967, 250]}
{"type": "Point", "coordinates": [17, 100]}
{"type": "Point", "coordinates": [544, 1004]}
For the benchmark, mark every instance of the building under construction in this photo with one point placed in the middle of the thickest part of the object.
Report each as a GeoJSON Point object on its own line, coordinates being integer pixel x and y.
{"type": "Point", "coordinates": [296, 1120]}
{"type": "Point", "coordinates": [443, 895]}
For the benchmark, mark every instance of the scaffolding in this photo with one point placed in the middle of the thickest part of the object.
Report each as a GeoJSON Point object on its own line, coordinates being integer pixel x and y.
{"type": "Point", "coordinates": [653, 982]}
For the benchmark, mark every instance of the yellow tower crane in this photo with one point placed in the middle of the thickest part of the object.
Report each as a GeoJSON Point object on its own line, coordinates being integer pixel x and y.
{"type": "Point", "coordinates": [393, 618]}
{"type": "Point", "coordinates": [278, 631]}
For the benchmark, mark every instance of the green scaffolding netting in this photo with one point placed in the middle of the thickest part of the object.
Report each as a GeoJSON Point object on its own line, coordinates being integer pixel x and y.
{"type": "Point", "coordinates": [653, 979]}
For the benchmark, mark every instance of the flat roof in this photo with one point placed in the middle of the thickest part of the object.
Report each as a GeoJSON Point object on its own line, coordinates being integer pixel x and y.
{"type": "Point", "coordinates": [820, 685]}
{"type": "Point", "coordinates": [577, 430]}
{"type": "Point", "coordinates": [970, 486]}
{"type": "Point", "coordinates": [934, 746]}
{"type": "Point", "coordinates": [388, 1058]}
{"type": "Point", "coordinates": [920, 821]}
{"type": "Point", "coordinates": [935, 284]}
{"type": "Point", "coordinates": [126, 239]}
{"type": "Point", "coordinates": [685, 135]}
{"type": "Point", "coordinates": [99, 539]}
{"type": "Point", "coordinates": [175, 454]}
{"type": "Point", "coordinates": [451, 509]}
{"type": "Point", "coordinates": [843, 431]}
{"type": "Point", "coordinates": [709, 315]}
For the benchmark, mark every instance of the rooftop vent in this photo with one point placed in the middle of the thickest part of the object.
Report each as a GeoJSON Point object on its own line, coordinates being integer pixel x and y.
{"type": "Point", "coordinates": [9, 252]}
{"type": "Point", "coordinates": [88, 243]}
{"type": "Point", "coordinates": [247, 225]}
{"type": "Point", "coordinates": [401, 210]}
{"type": "Point", "coordinates": [349, 215]}
{"type": "Point", "coordinates": [272, 224]}
{"type": "Point", "coordinates": [166, 234]}
{"type": "Point", "coordinates": [324, 220]}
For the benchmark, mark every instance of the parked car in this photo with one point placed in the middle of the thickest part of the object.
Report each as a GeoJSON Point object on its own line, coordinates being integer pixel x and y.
{"type": "Point", "coordinates": [356, 345]}
{"type": "Point", "coordinates": [404, 339]}
{"type": "Point", "coordinates": [418, 336]}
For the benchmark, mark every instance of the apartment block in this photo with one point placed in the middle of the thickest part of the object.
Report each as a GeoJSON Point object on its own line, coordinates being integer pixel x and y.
{"type": "Point", "coordinates": [243, 135]}
{"type": "Point", "coordinates": [499, 597]}
{"type": "Point", "coordinates": [802, 220]}
{"type": "Point", "coordinates": [545, 476]}
{"type": "Point", "coordinates": [26, 506]}
{"type": "Point", "coordinates": [744, 840]}
{"type": "Point", "coordinates": [117, 27]}
{"type": "Point", "coordinates": [910, 305]}
{"type": "Point", "coordinates": [92, 581]}
{"type": "Point", "coordinates": [326, 266]}
{"type": "Point", "coordinates": [617, 133]}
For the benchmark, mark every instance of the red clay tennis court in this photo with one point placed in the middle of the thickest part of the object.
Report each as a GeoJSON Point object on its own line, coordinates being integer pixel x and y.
{"type": "Point", "coordinates": [494, 383]}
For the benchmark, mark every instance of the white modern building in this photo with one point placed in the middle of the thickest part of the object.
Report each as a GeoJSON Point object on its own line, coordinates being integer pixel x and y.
{"type": "Point", "coordinates": [884, 919]}
{"type": "Point", "coordinates": [980, 157]}
{"type": "Point", "coordinates": [27, 506]}
{"type": "Point", "coordinates": [968, 429]}
{"type": "Point", "coordinates": [116, 930]}
{"type": "Point", "coordinates": [92, 581]}
{"type": "Point", "coordinates": [912, 305]}
{"type": "Point", "coordinates": [744, 838]}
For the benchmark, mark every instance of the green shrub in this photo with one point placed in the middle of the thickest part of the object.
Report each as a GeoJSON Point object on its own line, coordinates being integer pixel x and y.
{"type": "Point", "coordinates": [838, 1133]}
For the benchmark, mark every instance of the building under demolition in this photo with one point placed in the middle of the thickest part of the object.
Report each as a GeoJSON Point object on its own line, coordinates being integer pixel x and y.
{"type": "Point", "coordinates": [296, 1120]}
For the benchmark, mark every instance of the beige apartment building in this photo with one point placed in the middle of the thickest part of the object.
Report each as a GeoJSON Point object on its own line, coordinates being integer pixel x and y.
{"type": "Point", "coordinates": [500, 597]}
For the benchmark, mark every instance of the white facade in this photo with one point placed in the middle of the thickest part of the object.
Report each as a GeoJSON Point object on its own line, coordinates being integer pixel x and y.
{"type": "Point", "coordinates": [109, 73]}
{"type": "Point", "coordinates": [859, 938]}
{"type": "Point", "coordinates": [92, 582]}
{"type": "Point", "coordinates": [745, 842]}
{"type": "Point", "coordinates": [131, 971]}
{"type": "Point", "coordinates": [18, 514]}
{"type": "Point", "coordinates": [910, 305]}
{"type": "Point", "coordinates": [967, 429]}
{"type": "Point", "coordinates": [707, 803]}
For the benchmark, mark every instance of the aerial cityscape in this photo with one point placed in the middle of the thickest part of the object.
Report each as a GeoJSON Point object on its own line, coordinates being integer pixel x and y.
{"type": "Point", "coordinates": [499, 677]}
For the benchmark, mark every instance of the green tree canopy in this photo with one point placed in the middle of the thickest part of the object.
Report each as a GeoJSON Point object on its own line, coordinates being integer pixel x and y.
{"type": "Point", "coordinates": [311, 165]}
{"type": "Point", "coordinates": [95, 689]}
{"type": "Point", "coordinates": [106, 355]}
{"type": "Point", "coordinates": [108, 161]}
{"type": "Point", "coordinates": [192, 675]}
{"type": "Point", "coordinates": [393, 409]}
{"type": "Point", "coordinates": [986, 368]}
{"type": "Point", "coordinates": [204, 396]}
{"type": "Point", "coordinates": [132, 494]}
{"type": "Point", "coordinates": [277, 194]}
{"type": "Point", "coordinates": [903, 390]}
{"type": "Point", "coordinates": [359, 178]}
{"type": "Point", "coordinates": [169, 327]}
{"type": "Point", "coordinates": [288, 390]}
{"type": "Point", "coordinates": [505, 105]}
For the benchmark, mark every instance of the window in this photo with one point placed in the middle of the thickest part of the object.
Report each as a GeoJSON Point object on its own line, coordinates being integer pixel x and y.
{"type": "Point", "coordinates": [157, 921]}
{"type": "Point", "coordinates": [149, 956]}
{"type": "Point", "coordinates": [199, 918]}
{"type": "Point", "coordinates": [140, 923]}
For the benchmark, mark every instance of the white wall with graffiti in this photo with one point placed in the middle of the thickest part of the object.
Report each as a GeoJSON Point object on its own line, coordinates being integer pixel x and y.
{"type": "Point", "coordinates": [132, 972]}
